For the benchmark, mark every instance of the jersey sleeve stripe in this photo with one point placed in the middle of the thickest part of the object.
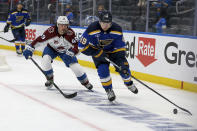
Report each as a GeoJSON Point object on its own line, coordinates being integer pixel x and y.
{"type": "Point", "coordinates": [94, 32]}
{"type": "Point", "coordinates": [9, 22]}
{"type": "Point", "coordinates": [99, 54]}
{"type": "Point", "coordinates": [81, 50]}
{"type": "Point", "coordinates": [14, 27]}
{"type": "Point", "coordinates": [117, 50]}
{"type": "Point", "coordinates": [13, 13]}
{"type": "Point", "coordinates": [116, 32]}
{"type": "Point", "coordinates": [24, 11]}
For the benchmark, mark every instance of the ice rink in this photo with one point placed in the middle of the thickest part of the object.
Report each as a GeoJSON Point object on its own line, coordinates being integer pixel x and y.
{"type": "Point", "coordinates": [26, 104]}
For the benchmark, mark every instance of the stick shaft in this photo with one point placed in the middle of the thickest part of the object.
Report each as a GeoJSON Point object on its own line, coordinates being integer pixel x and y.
{"type": "Point", "coordinates": [65, 95]}
{"type": "Point", "coordinates": [151, 88]}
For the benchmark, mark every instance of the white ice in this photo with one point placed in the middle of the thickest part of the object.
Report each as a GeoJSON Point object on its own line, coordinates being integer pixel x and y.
{"type": "Point", "coordinates": [26, 105]}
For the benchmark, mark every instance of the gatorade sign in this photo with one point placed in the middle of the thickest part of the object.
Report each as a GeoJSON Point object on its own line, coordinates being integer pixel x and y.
{"type": "Point", "coordinates": [146, 50]}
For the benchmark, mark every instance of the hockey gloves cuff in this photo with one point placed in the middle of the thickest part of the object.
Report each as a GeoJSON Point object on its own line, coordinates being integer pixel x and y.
{"type": "Point", "coordinates": [70, 52]}
{"type": "Point", "coordinates": [28, 52]}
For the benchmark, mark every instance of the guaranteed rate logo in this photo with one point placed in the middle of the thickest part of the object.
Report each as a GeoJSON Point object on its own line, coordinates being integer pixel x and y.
{"type": "Point", "coordinates": [146, 50]}
{"type": "Point", "coordinates": [174, 55]}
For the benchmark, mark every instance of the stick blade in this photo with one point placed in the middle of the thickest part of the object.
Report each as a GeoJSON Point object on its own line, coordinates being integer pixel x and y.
{"type": "Point", "coordinates": [186, 111]}
{"type": "Point", "coordinates": [70, 95]}
{"type": "Point", "coordinates": [12, 40]}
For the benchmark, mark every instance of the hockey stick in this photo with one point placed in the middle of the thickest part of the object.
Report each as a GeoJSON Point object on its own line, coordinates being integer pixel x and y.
{"type": "Point", "coordinates": [7, 39]}
{"type": "Point", "coordinates": [3, 30]}
{"type": "Point", "coordinates": [65, 95]}
{"type": "Point", "coordinates": [150, 88]}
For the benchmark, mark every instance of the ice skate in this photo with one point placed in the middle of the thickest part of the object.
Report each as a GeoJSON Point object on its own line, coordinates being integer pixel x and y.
{"type": "Point", "coordinates": [88, 85]}
{"type": "Point", "coordinates": [133, 88]}
{"type": "Point", "coordinates": [19, 53]}
{"type": "Point", "coordinates": [49, 83]}
{"type": "Point", "coordinates": [110, 94]}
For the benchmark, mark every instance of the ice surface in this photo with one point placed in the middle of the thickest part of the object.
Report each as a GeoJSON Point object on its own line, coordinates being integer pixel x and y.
{"type": "Point", "coordinates": [26, 105]}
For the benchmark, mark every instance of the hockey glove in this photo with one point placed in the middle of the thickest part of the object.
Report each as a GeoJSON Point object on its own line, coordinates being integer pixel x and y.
{"type": "Point", "coordinates": [28, 22]}
{"type": "Point", "coordinates": [28, 52]}
{"type": "Point", "coordinates": [6, 28]}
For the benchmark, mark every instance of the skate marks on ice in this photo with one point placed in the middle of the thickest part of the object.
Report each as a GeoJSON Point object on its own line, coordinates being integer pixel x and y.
{"type": "Point", "coordinates": [156, 122]}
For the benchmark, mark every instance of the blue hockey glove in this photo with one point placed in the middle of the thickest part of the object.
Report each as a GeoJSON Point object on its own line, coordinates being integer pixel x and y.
{"type": "Point", "coordinates": [6, 28]}
{"type": "Point", "coordinates": [28, 52]}
{"type": "Point", "coordinates": [27, 23]}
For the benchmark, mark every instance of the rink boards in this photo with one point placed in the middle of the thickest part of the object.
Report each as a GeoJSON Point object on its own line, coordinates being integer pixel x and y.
{"type": "Point", "coordinates": [165, 59]}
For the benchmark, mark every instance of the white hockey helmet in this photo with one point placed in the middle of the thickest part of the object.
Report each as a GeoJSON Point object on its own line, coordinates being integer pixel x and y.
{"type": "Point", "coordinates": [62, 20]}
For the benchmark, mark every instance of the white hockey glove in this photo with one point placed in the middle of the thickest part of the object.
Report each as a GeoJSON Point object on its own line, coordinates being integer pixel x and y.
{"type": "Point", "coordinates": [70, 52]}
{"type": "Point", "coordinates": [28, 52]}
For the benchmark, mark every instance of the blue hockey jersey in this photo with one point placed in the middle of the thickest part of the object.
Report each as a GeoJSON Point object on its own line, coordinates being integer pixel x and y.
{"type": "Point", "coordinates": [17, 19]}
{"type": "Point", "coordinates": [110, 41]}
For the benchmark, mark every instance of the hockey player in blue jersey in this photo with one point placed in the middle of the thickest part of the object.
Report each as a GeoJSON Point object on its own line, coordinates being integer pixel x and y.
{"type": "Point", "coordinates": [103, 39]}
{"type": "Point", "coordinates": [17, 19]}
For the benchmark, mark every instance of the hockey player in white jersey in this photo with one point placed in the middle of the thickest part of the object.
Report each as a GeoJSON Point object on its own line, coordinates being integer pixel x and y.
{"type": "Point", "coordinates": [61, 41]}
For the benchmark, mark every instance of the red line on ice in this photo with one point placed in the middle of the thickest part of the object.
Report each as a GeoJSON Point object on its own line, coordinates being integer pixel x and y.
{"type": "Point", "coordinates": [52, 107]}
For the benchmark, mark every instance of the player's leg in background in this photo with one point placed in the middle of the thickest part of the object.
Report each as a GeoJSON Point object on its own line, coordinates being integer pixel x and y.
{"type": "Point", "coordinates": [72, 63]}
{"type": "Point", "coordinates": [22, 38]}
{"type": "Point", "coordinates": [46, 63]}
{"type": "Point", "coordinates": [16, 35]}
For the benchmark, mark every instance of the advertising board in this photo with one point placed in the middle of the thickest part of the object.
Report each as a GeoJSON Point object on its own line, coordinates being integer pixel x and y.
{"type": "Point", "coordinates": [162, 56]}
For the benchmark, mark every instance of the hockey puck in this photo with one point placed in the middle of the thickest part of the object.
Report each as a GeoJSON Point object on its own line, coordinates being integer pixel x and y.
{"type": "Point", "coordinates": [175, 111]}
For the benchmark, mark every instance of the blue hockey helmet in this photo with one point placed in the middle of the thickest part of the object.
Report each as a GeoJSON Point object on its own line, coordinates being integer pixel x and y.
{"type": "Point", "coordinates": [20, 3]}
{"type": "Point", "coordinates": [105, 16]}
